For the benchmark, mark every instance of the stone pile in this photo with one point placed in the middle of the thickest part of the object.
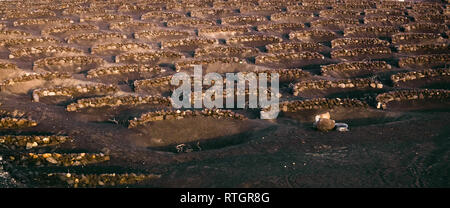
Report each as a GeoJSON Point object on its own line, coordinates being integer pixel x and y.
{"type": "Point", "coordinates": [68, 28]}
{"type": "Point", "coordinates": [178, 114]}
{"type": "Point", "coordinates": [182, 6]}
{"type": "Point", "coordinates": [386, 20]}
{"type": "Point", "coordinates": [13, 33]}
{"type": "Point", "coordinates": [352, 6]}
{"type": "Point", "coordinates": [260, 8]}
{"type": "Point", "coordinates": [190, 22]}
{"type": "Point", "coordinates": [313, 35]}
{"type": "Point", "coordinates": [280, 27]}
{"type": "Point", "coordinates": [432, 18]}
{"type": "Point", "coordinates": [35, 76]}
{"type": "Point", "coordinates": [330, 13]}
{"type": "Point", "coordinates": [321, 103]}
{"type": "Point", "coordinates": [286, 57]}
{"type": "Point", "coordinates": [37, 13]}
{"type": "Point", "coordinates": [340, 23]}
{"type": "Point", "coordinates": [119, 47]}
{"type": "Point", "coordinates": [83, 11]}
{"type": "Point", "coordinates": [413, 94]}
{"type": "Point", "coordinates": [358, 83]}
{"type": "Point", "coordinates": [44, 51]}
{"type": "Point", "coordinates": [188, 64]}
{"type": "Point", "coordinates": [358, 42]}
{"type": "Point", "coordinates": [74, 91]}
{"type": "Point", "coordinates": [17, 42]}
{"type": "Point", "coordinates": [94, 37]}
{"type": "Point", "coordinates": [404, 38]}
{"type": "Point", "coordinates": [424, 27]}
{"type": "Point", "coordinates": [384, 12]}
{"type": "Point", "coordinates": [42, 21]}
{"type": "Point", "coordinates": [101, 180]}
{"type": "Point", "coordinates": [288, 47]}
{"type": "Point", "coordinates": [244, 20]}
{"type": "Point", "coordinates": [426, 48]}
{"type": "Point", "coordinates": [105, 17]}
{"type": "Point", "coordinates": [154, 82]}
{"type": "Point", "coordinates": [393, 5]}
{"type": "Point", "coordinates": [29, 142]}
{"type": "Point", "coordinates": [232, 30]}
{"type": "Point", "coordinates": [355, 66]}
{"type": "Point", "coordinates": [214, 13]}
{"type": "Point", "coordinates": [233, 4]}
{"type": "Point", "coordinates": [16, 123]}
{"type": "Point", "coordinates": [188, 42]}
{"type": "Point", "coordinates": [253, 39]}
{"type": "Point", "coordinates": [131, 25]}
{"type": "Point", "coordinates": [8, 66]}
{"type": "Point", "coordinates": [115, 101]}
{"type": "Point", "coordinates": [158, 34]}
{"type": "Point", "coordinates": [291, 16]}
{"type": "Point", "coordinates": [148, 56]}
{"type": "Point", "coordinates": [425, 60]}
{"type": "Point", "coordinates": [361, 52]}
{"type": "Point", "coordinates": [421, 74]}
{"type": "Point", "coordinates": [123, 69]}
{"type": "Point", "coordinates": [138, 8]}
{"type": "Point", "coordinates": [161, 15]}
{"type": "Point", "coordinates": [370, 31]}
{"type": "Point", "coordinates": [306, 8]}
{"type": "Point", "coordinates": [79, 61]}
{"type": "Point", "coordinates": [221, 51]}
{"type": "Point", "coordinates": [57, 159]}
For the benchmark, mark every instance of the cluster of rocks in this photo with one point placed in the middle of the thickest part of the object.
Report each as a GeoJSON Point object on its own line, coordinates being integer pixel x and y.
{"type": "Point", "coordinates": [283, 57]}
{"type": "Point", "coordinates": [425, 60]}
{"type": "Point", "coordinates": [161, 15]}
{"type": "Point", "coordinates": [16, 42]}
{"type": "Point", "coordinates": [35, 76]}
{"type": "Point", "coordinates": [121, 47]}
{"type": "Point", "coordinates": [370, 31]}
{"type": "Point", "coordinates": [421, 74]}
{"type": "Point", "coordinates": [403, 38]}
{"type": "Point", "coordinates": [57, 159]}
{"type": "Point", "coordinates": [133, 25]}
{"type": "Point", "coordinates": [261, 8]}
{"type": "Point", "coordinates": [158, 34]}
{"type": "Point", "coordinates": [114, 101]}
{"type": "Point", "coordinates": [280, 27]}
{"type": "Point", "coordinates": [233, 4]}
{"type": "Point", "coordinates": [123, 69]}
{"type": "Point", "coordinates": [134, 8]}
{"type": "Point", "coordinates": [430, 48]}
{"type": "Point", "coordinates": [233, 30]}
{"type": "Point", "coordinates": [424, 27]}
{"type": "Point", "coordinates": [330, 13]}
{"type": "Point", "coordinates": [359, 83]}
{"type": "Point", "coordinates": [154, 82]}
{"type": "Point", "coordinates": [358, 42]}
{"type": "Point", "coordinates": [74, 91]}
{"type": "Point", "coordinates": [105, 17]}
{"type": "Point", "coordinates": [69, 28]}
{"type": "Point", "coordinates": [433, 18]}
{"type": "Point", "coordinates": [44, 51]}
{"type": "Point", "coordinates": [306, 8]}
{"type": "Point", "coordinates": [2, 26]}
{"type": "Point", "coordinates": [178, 114]}
{"type": "Point", "coordinates": [287, 47]}
{"type": "Point", "coordinates": [386, 20]}
{"type": "Point", "coordinates": [286, 74]}
{"type": "Point", "coordinates": [291, 16]}
{"type": "Point", "coordinates": [8, 66]}
{"type": "Point", "coordinates": [413, 94]}
{"type": "Point", "coordinates": [384, 12]}
{"type": "Point", "coordinates": [313, 35]}
{"type": "Point", "coordinates": [148, 56]}
{"type": "Point", "coordinates": [352, 6]}
{"type": "Point", "coordinates": [188, 42]}
{"type": "Point", "coordinates": [94, 37]}
{"type": "Point", "coordinates": [36, 13]}
{"type": "Point", "coordinates": [78, 10]}
{"type": "Point", "coordinates": [220, 51]}
{"type": "Point", "coordinates": [13, 33]}
{"type": "Point", "coordinates": [29, 142]}
{"type": "Point", "coordinates": [67, 61]}
{"type": "Point", "coordinates": [16, 123]}
{"type": "Point", "coordinates": [244, 20]}
{"type": "Point", "coordinates": [215, 12]}
{"type": "Point", "coordinates": [42, 21]}
{"type": "Point", "coordinates": [321, 103]}
{"type": "Point", "coordinates": [188, 64]}
{"type": "Point", "coordinates": [190, 22]}
{"type": "Point", "coordinates": [361, 52]}
{"type": "Point", "coordinates": [355, 66]}
{"type": "Point", "coordinates": [101, 180]}
{"type": "Point", "coordinates": [393, 5]}
{"type": "Point", "coordinates": [335, 23]}
{"type": "Point", "coordinates": [248, 39]}
{"type": "Point", "coordinates": [184, 5]}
